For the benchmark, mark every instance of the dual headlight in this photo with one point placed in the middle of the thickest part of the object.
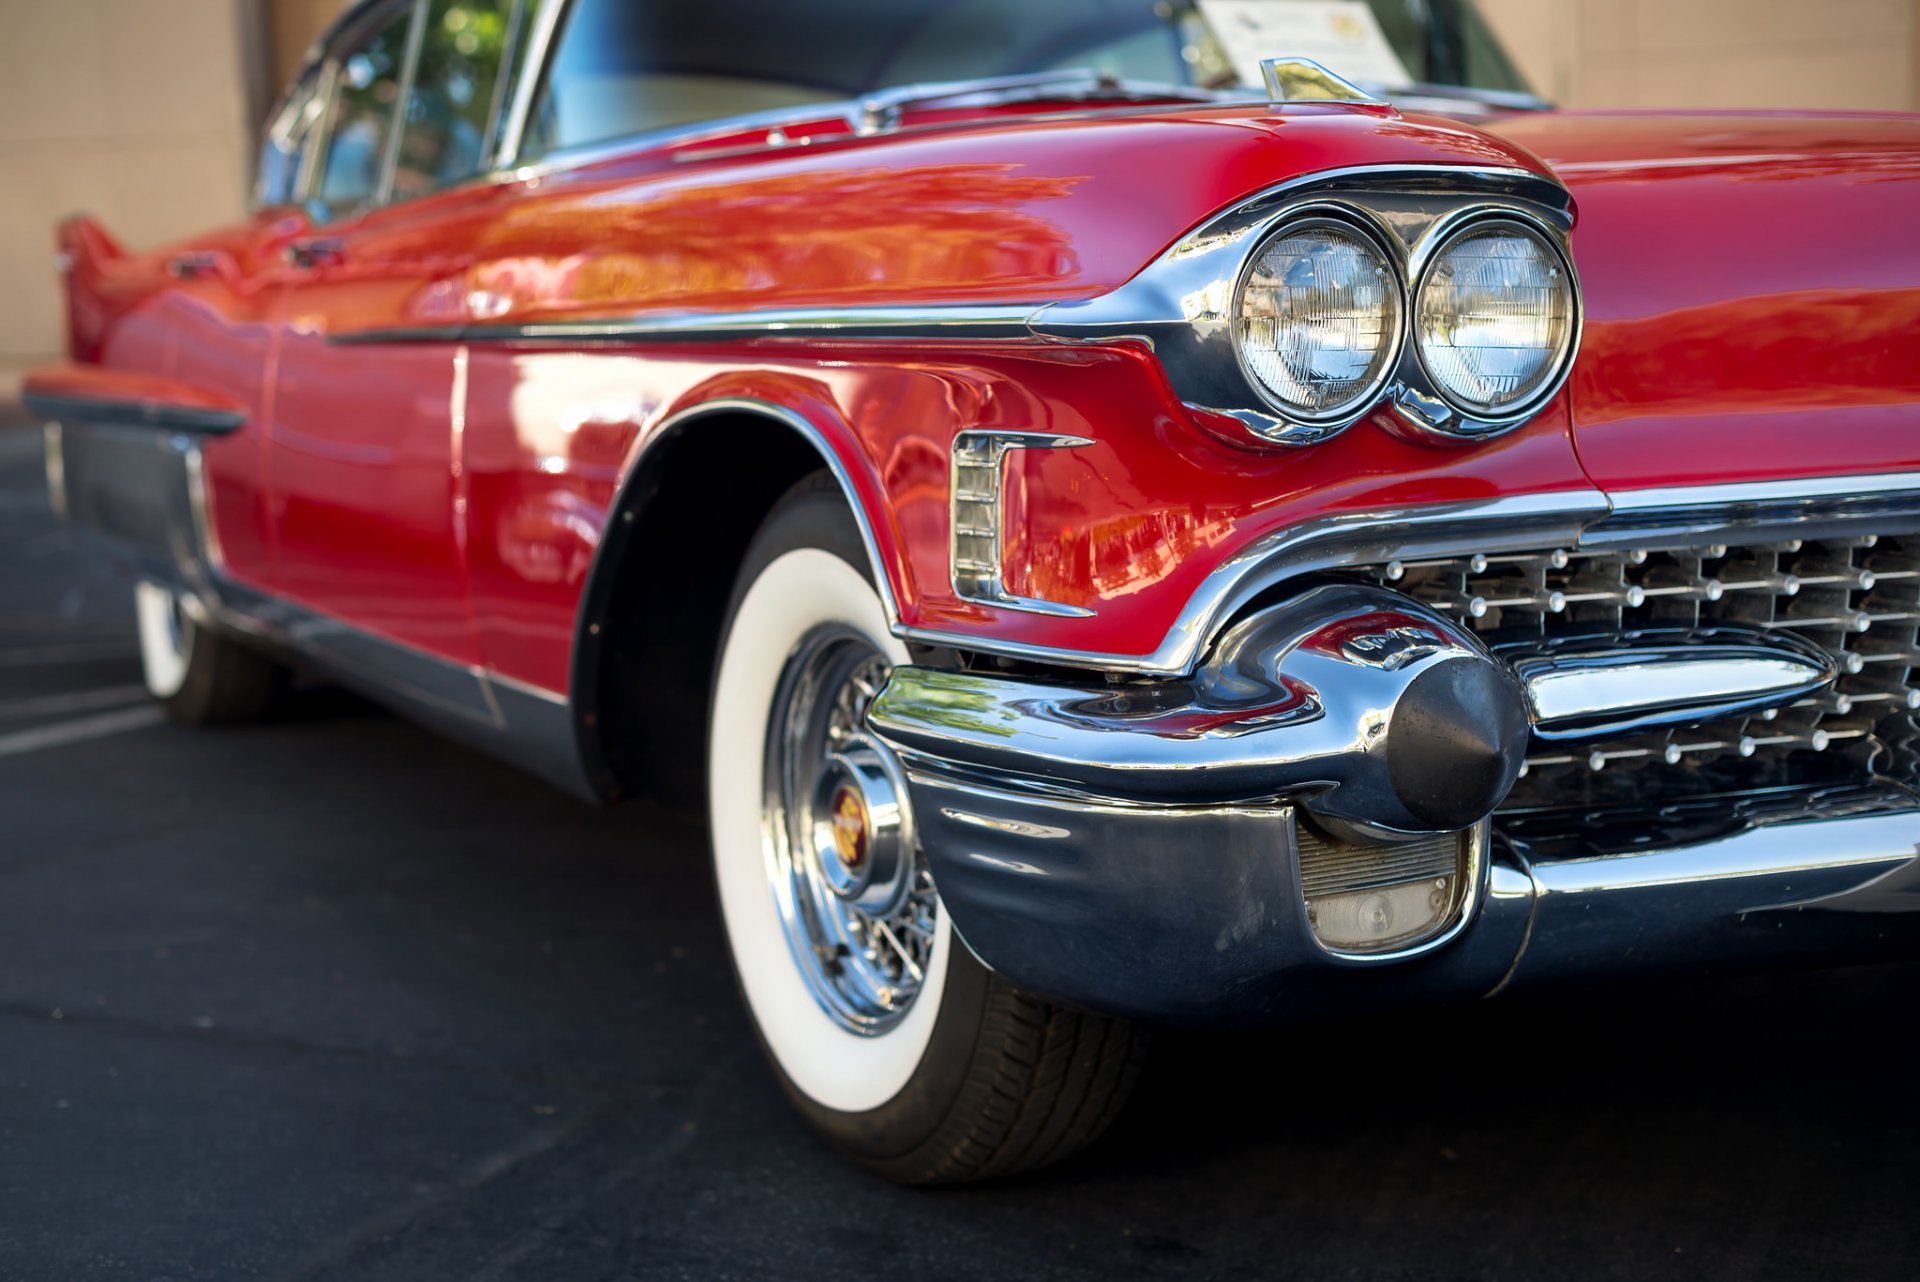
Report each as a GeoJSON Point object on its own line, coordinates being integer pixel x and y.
{"type": "Point", "coordinates": [1320, 319]}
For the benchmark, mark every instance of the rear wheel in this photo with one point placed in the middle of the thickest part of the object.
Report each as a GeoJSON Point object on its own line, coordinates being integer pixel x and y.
{"type": "Point", "coordinates": [890, 1037]}
{"type": "Point", "coordinates": [199, 673]}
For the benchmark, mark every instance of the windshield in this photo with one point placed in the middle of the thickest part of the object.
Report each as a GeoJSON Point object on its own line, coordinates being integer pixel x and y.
{"type": "Point", "coordinates": [622, 68]}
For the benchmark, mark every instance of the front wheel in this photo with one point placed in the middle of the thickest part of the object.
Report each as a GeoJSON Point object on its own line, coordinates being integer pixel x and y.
{"type": "Point", "coordinates": [890, 1037]}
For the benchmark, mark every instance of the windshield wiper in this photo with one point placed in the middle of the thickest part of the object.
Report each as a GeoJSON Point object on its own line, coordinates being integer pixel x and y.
{"type": "Point", "coordinates": [882, 111]}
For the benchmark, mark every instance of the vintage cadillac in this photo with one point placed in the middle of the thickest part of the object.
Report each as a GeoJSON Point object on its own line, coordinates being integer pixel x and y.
{"type": "Point", "coordinates": [1111, 547]}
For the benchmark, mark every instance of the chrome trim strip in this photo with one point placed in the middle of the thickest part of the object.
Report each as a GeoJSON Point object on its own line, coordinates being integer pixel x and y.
{"type": "Point", "coordinates": [504, 77]}
{"type": "Point", "coordinates": [397, 127]}
{"type": "Point", "coordinates": [1754, 510]}
{"type": "Point", "coordinates": [56, 463]}
{"type": "Point", "coordinates": [501, 680]}
{"type": "Point", "coordinates": [910, 321]}
{"type": "Point", "coordinates": [107, 412]}
{"type": "Point", "coordinates": [814, 436]}
{"type": "Point", "coordinates": [200, 509]}
{"type": "Point", "coordinates": [1744, 493]}
{"type": "Point", "coordinates": [546, 24]}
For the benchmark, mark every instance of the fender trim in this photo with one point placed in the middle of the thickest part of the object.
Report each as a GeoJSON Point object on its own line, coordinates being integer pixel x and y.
{"type": "Point", "coordinates": [595, 598]}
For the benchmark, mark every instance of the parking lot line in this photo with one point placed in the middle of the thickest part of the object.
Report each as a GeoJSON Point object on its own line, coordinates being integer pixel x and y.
{"type": "Point", "coordinates": [71, 652]}
{"type": "Point", "coordinates": [48, 705]}
{"type": "Point", "coordinates": [80, 730]}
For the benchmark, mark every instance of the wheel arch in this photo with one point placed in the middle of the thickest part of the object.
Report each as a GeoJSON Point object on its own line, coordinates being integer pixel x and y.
{"type": "Point", "coordinates": [648, 631]}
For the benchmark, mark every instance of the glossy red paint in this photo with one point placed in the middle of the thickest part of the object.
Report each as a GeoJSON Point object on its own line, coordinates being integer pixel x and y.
{"type": "Point", "coordinates": [1752, 289]}
{"type": "Point", "coordinates": [126, 388]}
{"type": "Point", "coordinates": [454, 497]}
{"type": "Point", "coordinates": [1004, 209]}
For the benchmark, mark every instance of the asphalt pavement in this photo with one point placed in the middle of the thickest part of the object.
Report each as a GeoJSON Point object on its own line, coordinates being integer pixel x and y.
{"type": "Point", "coordinates": [332, 999]}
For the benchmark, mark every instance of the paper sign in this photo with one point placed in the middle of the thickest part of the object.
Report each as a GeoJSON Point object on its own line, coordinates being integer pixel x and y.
{"type": "Point", "coordinates": [1341, 35]}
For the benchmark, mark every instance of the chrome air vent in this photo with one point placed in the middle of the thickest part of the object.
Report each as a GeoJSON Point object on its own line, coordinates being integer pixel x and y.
{"type": "Point", "coordinates": [1857, 599]}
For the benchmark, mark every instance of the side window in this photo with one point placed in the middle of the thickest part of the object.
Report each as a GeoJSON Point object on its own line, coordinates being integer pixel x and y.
{"type": "Point", "coordinates": [366, 96]}
{"type": "Point", "coordinates": [456, 91]}
{"type": "Point", "coordinates": [288, 136]}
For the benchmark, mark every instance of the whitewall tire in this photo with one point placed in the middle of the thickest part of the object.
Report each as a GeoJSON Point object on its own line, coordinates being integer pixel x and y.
{"type": "Point", "coordinates": [888, 1035]}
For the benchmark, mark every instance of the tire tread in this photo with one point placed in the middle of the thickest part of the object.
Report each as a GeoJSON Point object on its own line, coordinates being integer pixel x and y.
{"type": "Point", "coordinates": [1045, 1081]}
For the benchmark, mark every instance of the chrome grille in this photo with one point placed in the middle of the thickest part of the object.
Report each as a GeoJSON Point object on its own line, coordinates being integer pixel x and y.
{"type": "Point", "coordinates": [1857, 598]}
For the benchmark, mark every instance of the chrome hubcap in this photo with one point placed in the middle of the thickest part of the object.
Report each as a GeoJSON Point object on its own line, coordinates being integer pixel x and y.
{"type": "Point", "coordinates": [856, 901]}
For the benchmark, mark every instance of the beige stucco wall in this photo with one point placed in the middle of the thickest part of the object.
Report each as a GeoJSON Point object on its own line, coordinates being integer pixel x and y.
{"type": "Point", "coordinates": [1861, 54]}
{"type": "Point", "coordinates": [134, 110]}
{"type": "Point", "coordinates": [143, 111]}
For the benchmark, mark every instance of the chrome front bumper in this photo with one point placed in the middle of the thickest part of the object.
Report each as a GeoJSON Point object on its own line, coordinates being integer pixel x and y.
{"type": "Point", "coordinates": [1138, 850]}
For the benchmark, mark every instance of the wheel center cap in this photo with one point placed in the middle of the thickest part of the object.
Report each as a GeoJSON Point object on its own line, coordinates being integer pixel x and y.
{"type": "Point", "coordinates": [849, 818]}
{"type": "Point", "coordinates": [862, 845]}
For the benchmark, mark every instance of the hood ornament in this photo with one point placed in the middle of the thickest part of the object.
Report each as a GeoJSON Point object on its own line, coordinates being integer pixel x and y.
{"type": "Point", "coordinates": [1304, 80]}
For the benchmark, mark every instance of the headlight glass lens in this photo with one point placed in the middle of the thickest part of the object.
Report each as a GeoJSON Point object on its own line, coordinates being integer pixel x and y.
{"type": "Point", "coordinates": [1317, 319]}
{"type": "Point", "coordinates": [1494, 317]}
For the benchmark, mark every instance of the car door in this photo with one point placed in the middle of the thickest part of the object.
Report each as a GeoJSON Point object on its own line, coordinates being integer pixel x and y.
{"type": "Point", "coordinates": [221, 316]}
{"type": "Point", "coordinates": [362, 452]}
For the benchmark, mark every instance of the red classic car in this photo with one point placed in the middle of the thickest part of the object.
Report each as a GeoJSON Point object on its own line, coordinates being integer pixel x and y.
{"type": "Point", "coordinates": [1112, 547]}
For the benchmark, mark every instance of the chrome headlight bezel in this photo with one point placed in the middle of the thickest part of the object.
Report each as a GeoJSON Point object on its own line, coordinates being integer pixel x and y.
{"type": "Point", "coordinates": [1424, 401]}
{"type": "Point", "coordinates": [1296, 424]}
{"type": "Point", "coordinates": [1184, 304]}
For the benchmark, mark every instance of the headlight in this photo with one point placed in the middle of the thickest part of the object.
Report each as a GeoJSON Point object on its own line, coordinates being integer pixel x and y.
{"type": "Point", "coordinates": [1317, 320]}
{"type": "Point", "coordinates": [1494, 317]}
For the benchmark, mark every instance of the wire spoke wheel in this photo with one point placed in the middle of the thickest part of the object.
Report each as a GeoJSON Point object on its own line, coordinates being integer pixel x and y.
{"type": "Point", "coordinates": [864, 956]}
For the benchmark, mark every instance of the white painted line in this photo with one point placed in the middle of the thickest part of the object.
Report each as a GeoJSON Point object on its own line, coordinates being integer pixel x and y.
{"type": "Point", "coordinates": [81, 730]}
{"type": "Point", "coordinates": [49, 705]}
{"type": "Point", "coordinates": [49, 656]}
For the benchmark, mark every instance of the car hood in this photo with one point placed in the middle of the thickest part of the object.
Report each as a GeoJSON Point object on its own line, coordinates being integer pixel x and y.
{"type": "Point", "coordinates": [1752, 289]}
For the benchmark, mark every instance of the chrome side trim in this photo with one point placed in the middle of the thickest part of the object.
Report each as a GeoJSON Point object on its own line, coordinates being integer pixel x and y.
{"type": "Point", "coordinates": [123, 413]}
{"type": "Point", "coordinates": [1751, 511]}
{"type": "Point", "coordinates": [501, 681]}
{"type": "Point", "coordinates": [397, 127]}
{"type": "Point", "coordinates": [533, 72]}
{"type": "Point", "coordinates": [937, 321]}
{"type": "Point", "coordinates": [977, 513]}
{"type": "Point", "coordinates": [56, 471]}
{"type": "Point", "coordinates": [842, 475]}
{"type": "Point", "coordinates": [200, 509]}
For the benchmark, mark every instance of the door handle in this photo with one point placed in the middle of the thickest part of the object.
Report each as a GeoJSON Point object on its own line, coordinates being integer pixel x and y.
{"type": "Point", "coordinates": [195, 264]}
{"type": "Point", "coordinates": [321, 252]}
